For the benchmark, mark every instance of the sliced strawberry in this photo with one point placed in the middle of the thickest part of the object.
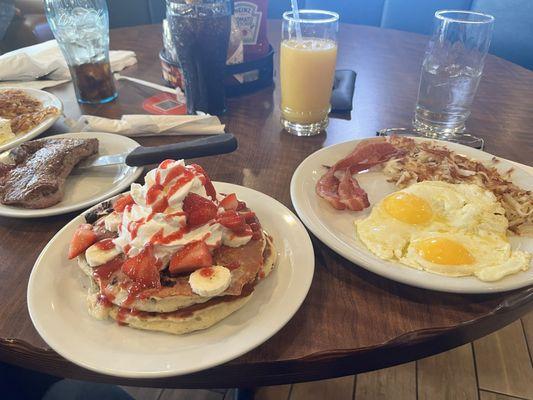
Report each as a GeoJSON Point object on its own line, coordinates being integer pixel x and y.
{"type": "Point", "coordinates": [255, 226]}
{"type": "Point", "coordinates": [208, 185]}
{"type": "Point", "coordinates": [247, 231]}
{"type": "Point", "coordinates": [191, 257]}
{"type": "Point", "coordinates": [142, 269]}
{"type": "Point", "coordinates": [122, 202]}
{"type": "Point", "coordinates": [230, 202]}
{"type": "Point", "coordinates": [241, 206]}
{"type": "Point", "coordinates": [249, 216]}
{"type": "Point", "coordinates": [83, 238]}
{"type": "Point", "coordinates": [232, 220]}
{"type": "Point", "coordinates": [198, 209]}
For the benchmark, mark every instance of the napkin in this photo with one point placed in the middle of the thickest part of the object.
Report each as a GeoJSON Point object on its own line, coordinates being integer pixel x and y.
{"type": "Point", "coordinates": [42, 65]}
{"type": "Point", "coordinates": [152, 125]}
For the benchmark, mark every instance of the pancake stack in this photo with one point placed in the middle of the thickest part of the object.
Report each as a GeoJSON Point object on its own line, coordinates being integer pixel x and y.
{"type": "Point", "coordinates": [173, 255]}
{"type": "Point", "coordinates": [175, 308]}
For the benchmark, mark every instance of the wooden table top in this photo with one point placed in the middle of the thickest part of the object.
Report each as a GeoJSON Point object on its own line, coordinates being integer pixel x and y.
{"type": "Point", "coordinates": [352, 320]}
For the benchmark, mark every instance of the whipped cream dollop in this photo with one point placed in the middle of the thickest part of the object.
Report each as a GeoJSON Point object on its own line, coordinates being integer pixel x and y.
{"type": "Point", "coordinates": [157, 215]}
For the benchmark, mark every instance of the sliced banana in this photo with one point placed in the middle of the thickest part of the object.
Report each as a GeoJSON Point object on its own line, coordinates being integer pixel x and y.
{"type": "Point", "coordinates": [96, 256]}
{"type": "Point", "coordinates": [210, 281]}
{"type": "Point", "coordinates": [230, 239]}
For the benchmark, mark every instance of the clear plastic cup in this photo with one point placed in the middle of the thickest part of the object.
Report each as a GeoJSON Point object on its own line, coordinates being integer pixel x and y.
{"type": "Point", "coordinates": [81, 28]}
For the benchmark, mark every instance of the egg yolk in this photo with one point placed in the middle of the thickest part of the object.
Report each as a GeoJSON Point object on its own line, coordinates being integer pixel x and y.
{"type": "Point", "coordinates": [444, 251]}
{"type": "Point", "coordinates": [408, 208]}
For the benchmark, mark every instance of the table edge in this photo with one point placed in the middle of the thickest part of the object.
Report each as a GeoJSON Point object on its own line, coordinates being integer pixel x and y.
{"type": "Point", "coordinates": [322, 365]}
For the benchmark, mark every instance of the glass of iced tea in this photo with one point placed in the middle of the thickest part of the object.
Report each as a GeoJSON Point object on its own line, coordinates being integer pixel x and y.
{"type": "Point", "coordinates": [81, 28]}
{"type": "Point", "coordinates": [308, 53]}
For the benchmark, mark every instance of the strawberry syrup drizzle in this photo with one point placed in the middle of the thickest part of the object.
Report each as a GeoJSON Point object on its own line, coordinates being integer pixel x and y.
{"type": "Point", "coordinates": [133, 227]}
{"type": "Point", "coordinates": [153, 193]}
{"type": "Point", "coordinates": [123, 314]}
{"type": "Point", "coordinates": [172, 174]}
{"type": "Point", "coordinates": [105, 244]}
{"type": "Point", "coordinates": [134, 292]}
{"type": "Point", "coordinates": [180, 182]}
{"type": "Point", "coordinates": [159, 238]}
{"type": "Point", "coordinates": [159, 204]}
{"type": "Point", "coordinates": [104, 271]}
{"type": "Point", "coordinates": [207, 272]}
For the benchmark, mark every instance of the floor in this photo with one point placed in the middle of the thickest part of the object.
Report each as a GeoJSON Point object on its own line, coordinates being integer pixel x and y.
{"type": "Point", "coordinates": [496, 367]}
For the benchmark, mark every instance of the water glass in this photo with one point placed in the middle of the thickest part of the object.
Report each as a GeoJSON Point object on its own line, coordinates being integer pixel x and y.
{"type": "Point", "coordinates": [308, 53]}
{"type": "Point", "coordinates": [451, 71]}
{"type": "Point", "coordinates": [81, 28]}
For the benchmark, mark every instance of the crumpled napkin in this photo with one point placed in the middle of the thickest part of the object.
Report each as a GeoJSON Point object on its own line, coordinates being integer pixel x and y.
{"type": "Point", "coordinates": [152, 125]}
{"type": "Point", "coordinates": [45, 62]}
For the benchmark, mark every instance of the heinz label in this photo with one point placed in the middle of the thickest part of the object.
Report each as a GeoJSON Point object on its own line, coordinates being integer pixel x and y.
{"type": "Point", "coordinates": [248, 19]}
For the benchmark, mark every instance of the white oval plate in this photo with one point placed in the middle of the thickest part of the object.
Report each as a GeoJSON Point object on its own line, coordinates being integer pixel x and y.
{"type": "Point", "coordinates": [336, 228]}
{"type": "Point", "coordinates": [58, 310]}
{"type": "Point", "coordinates": [48, 100]}
{"type": "Point", "coordinates": [83, 189]}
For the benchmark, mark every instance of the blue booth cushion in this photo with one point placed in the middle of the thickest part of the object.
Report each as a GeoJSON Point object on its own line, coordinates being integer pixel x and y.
{"type": "Point", "coordinates": [513, 29]}
{"type": "Point", "coordinates": [417, 15]}
{"type": "Point", "coordinates": [364, 12]}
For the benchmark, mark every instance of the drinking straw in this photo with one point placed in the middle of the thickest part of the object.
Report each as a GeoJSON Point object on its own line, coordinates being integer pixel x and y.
{"type": "Point", "coordinates": [296, 14]}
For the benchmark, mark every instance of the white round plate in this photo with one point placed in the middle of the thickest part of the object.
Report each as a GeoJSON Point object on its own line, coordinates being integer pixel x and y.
{"type": "Point", "coordinates": [89, 186]}
{"type": "Point", "coordinates": [336, 228]}
{"type": "Point", "coordinates": [57, 306]}
{"type": "Point", "coordinates": [48, 100]}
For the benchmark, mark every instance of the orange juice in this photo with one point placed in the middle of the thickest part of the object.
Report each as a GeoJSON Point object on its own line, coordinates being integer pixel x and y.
{"type": "Point", "coordinates": [307, 68]}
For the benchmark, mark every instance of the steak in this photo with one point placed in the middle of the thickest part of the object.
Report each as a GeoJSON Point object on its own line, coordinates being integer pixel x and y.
{"type": "Point", "coordinates": [37, 179]}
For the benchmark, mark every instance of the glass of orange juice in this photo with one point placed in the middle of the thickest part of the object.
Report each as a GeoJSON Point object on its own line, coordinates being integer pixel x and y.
{"type": "Point", "coordinates": [308, 53]}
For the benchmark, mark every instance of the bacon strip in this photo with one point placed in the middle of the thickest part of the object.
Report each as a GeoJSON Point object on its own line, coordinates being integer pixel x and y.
{"type": "Point", "coordinates": [340, 188]}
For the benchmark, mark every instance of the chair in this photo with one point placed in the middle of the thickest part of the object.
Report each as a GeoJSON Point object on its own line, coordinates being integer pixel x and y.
{"type": "Point", "coordinates": [132, 12]}
{"type": "Point", "coordinates": [276, 8]}
{"type": "Point", "coordinates": [513, 29]}
{"type": "Point", "coordinates": [417, 15]}
{"type": "Point", "coordinates": [364, 12]}
{"type": "Point", "coordinates": [26, 28]}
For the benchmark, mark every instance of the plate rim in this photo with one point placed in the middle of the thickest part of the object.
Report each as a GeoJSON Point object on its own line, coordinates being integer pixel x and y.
{"type": "Point", "coordinates": [25, 213]}
{"type": "Point", "coordinates": [170, 373]}
{"type": "Point", "coordinates": [42, 127]}
{"type": "Point", "coordinates": [360, 262]}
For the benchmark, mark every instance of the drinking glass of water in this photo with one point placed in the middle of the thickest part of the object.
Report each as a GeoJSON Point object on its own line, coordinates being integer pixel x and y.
{"type": "Point", "coordinates": [81, 28]}
{"type": "Point", "coordinates": [451, 71]}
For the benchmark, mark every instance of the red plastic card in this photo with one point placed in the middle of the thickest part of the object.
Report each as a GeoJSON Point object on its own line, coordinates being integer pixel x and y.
{"type": "Point", "coordinates": [164, 103]}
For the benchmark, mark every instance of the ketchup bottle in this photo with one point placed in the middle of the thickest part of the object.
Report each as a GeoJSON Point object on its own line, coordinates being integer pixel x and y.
{"type": "Point", "coordinates": [251, 16]}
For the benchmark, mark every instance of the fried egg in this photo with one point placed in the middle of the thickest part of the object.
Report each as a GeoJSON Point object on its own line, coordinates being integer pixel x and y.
{"type": "Point", "coordinates": [485, 255]}
{"type": "Point", "coordinates": [449, 229]}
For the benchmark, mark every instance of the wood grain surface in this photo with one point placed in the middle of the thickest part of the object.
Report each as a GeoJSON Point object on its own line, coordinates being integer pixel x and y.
{"type": "Point", "coordinates": [503, 363]}
{"type": "Point", "coordinates": [397, 383]}
{"type": "Point", "coordinates": [352, 320]}
{"type": "Point", "coordinates": [450, 375]}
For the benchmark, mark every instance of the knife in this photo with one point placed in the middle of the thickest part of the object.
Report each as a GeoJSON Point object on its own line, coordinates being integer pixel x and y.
{"type": "Point", "coordinates": [210, 146]}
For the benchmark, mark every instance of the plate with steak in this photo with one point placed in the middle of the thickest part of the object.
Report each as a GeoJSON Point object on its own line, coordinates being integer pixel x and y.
{"type": "Point", "coordinates": [179, 272]}
{"type": "Point", "coordinates": [37, 178]}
